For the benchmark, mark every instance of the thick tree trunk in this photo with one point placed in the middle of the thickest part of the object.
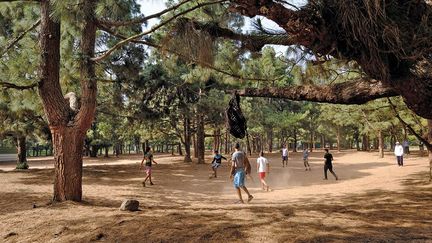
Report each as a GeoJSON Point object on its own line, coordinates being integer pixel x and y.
{"type": "Point", "coordinates": [106, 152]}
{"type": "Point", "coordinates": [68, 127]}
{"type": "Point", "coordinates": [68, 145]}
{"type": "Point", "coordinates": [21, 149]}
{"type": "Point", "coordinates": [380, 144]}
{"type": "Point", "coordinates": [200, 139]}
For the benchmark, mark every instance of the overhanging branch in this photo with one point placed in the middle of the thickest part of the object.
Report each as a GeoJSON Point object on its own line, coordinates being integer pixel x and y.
{"type": "Point", "coordinates": [350, 92]}
{"type": "Point", "coordinates": [7, 85]}
{"type": "Point", "coordinates": [204, 64]}
{"type": "Point", "coordinates": [153, 29]}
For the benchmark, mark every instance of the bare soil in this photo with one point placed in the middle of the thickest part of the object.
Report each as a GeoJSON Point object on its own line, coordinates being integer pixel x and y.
{"type": "Point", "coordinates": [374, 201]}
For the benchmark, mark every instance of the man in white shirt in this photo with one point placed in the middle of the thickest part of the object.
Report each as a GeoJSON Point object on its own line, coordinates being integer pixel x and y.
{"type": "Point", "coordinates": [284, 156]}
{"type": "Point", "coordinates": [399, 152]}
{"type": "Point", "coordinates": [263, 167]}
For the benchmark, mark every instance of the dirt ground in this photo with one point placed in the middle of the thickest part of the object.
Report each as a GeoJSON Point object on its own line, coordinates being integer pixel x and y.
{"type": "Point", "coordinates": [374, 201]}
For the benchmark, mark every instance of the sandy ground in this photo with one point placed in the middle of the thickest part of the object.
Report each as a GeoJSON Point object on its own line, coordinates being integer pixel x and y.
{"type": "Point", "coordinates": [374, 201]}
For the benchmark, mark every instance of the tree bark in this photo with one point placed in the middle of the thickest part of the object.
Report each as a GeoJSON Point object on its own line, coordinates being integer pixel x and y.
{"type": "Point", "coordinates": [68, 144]}
{"type": "Point", "coordinates": [187, 140]}
{"type": "Point", "coordinates": [68, 127]}
{"type": "Point", "coordinates": [200, 139]}
{"type": "Point", "coordinates": [350, 92]}
{"type": "Point", "coordinates": [338, 138]}
{"type": "Point", "coordinates": [270, 139]}
{"type": "Point", "coordinates": [21, 149]}
{"type": "Point", "coordinates": [295, 140]}
{"type": "Point", "coordinates": [226, 141]}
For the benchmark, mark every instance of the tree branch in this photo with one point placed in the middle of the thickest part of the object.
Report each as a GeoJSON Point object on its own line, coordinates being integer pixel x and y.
{"type": "Point", "coordinates": [204, 64]}
{"type": "Point", "coordinates": [420, 138]}
{"type": "Point", "coordinates": [350, 92]}
{"type": "Point", "coordinates": [7, 85]}
{"type": "Point", "coordinates": [252, 42]}
{"type": "Point", "coordinates": [153, 29]}
{"type": "Point", "coordinates": [19, 37]}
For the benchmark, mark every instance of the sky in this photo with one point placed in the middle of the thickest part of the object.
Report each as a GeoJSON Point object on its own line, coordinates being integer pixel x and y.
{"type": "Point", "coordinates": [149, 7]}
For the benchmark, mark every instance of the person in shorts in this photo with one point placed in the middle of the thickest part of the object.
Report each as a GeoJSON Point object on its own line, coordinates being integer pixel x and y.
{"type": "Point", "coordinates": [148, 159]}
{"type": "Point", "coordinates": [306, 159]}
{"type": "Point", "coordinates": [216, 163]}
{"type": "Point", "coordinates": [239, 166]}
{"type": "Point", "coordinates": [263, 168]}
{"type": "Point", "coordinates": [284, 156]}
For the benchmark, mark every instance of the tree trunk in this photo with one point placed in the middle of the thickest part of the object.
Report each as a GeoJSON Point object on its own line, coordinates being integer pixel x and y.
{"type": "Point", "coordinates": [21, 149]}
{"type": "Point", "coordinates": [429, 148]}
{"type": "Point", "coordinates": [106, 151]}
{"type": "Point", "coordinates": [180, 151]}
{"type": "Point", "coordinates": [194, 140]}
{"type": "Point", "coordinates": [67, 125]}
{"type": "Point", "coordinates": [226, 141]}
{"type": "Point", "coordinates": [295, 140]}
{"type": "Point", "coordinates": [270, 139]}
{"type": "Point", "coordinates": [380, 144]}
{"type": "Point", "coordinates": [200, 139]}
{"type": "Point", "coordinates": [68, 144]}
{"type": "Point", "coordinates": [365, 144]}
{"type": "Point", "coordinates": [187, 140]}
{"type": "Point", "coordinates": [338, 138]}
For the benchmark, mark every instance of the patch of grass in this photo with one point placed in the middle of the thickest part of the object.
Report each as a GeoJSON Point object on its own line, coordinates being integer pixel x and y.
{"type": "Point", "coordinates": [22, 166]}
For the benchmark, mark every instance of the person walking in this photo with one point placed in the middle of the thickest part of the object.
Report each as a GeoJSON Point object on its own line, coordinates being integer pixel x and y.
{"type": "Point", "coordinates": [306, 159]}
{"type": "Point", "coordinates": [284, 156]}
{"type": "Point", "coordinates": [239, 167]}
{"type": "Point", "coordinates": [263, 168]}
{"type": "Point", "coordinates": [399, 152]}
{"type": "Point", "coordinates": [148, 159]}
{"type": "Point", "coordinates": [328, 166]}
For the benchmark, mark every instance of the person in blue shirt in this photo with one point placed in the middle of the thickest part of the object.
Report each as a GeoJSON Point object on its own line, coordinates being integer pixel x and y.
{"type": "Point", "coordinates": [216, 163]}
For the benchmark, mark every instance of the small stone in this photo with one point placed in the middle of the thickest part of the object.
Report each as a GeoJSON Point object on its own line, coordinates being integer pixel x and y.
{"type": "Point", "coordinates": [129, 205]}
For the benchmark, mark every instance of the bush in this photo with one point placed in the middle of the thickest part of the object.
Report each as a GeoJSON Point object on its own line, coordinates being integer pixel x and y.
{"type": "Point", "coordinates": [22, 166]}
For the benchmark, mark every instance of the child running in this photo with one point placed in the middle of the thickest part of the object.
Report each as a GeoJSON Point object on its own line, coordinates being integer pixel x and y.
{"type": "Point", "coordinates": [306, 159]}
{"type": "Point", "coordinates": [263, 167]}
{"type": "Point", "coordinates": [148, 158]}
{"type": "Point", "coordinates": [216, 163]}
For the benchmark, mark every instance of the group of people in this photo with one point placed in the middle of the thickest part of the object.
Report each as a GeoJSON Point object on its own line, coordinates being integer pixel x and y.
{"type": "Point", "coordinates": [240, 166]}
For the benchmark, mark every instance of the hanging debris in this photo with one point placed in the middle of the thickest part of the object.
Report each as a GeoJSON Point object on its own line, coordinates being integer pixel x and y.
{"type": "Point", "coordinates": [235, 120]}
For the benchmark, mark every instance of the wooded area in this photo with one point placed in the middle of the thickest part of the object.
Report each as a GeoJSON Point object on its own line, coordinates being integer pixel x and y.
{"type": "Point", "coordinates": [119, 92]}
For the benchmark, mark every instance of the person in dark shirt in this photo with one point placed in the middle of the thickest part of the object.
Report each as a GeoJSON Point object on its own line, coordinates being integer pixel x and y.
{"type": "Point", "coordinates": [328, 164]}
{"type": "Point", "coordinates": [217, 161]}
